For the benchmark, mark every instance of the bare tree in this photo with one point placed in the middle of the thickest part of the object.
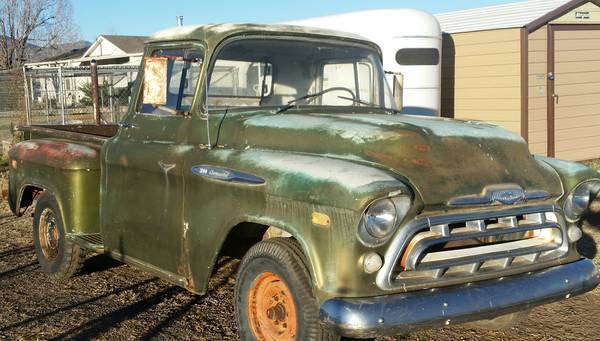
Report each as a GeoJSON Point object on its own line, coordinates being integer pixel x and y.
{"type": "Point", "coordinates": [26, 23]}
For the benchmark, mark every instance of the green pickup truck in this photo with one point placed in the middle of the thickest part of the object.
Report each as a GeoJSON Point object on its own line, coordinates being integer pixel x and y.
{"type": "Point", "coordinates": [285, 146]}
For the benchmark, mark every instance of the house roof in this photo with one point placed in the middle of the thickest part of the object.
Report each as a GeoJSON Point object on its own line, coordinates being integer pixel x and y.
{"type": "Point", "coordinates": [71, 54]}
{"type": "Point", "coordinates": [519, 14]}
{"type": "Point", "coordinates": [128, 44]}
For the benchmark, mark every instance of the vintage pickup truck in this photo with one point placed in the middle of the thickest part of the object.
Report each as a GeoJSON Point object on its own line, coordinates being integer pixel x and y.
{"type": "Point", "coordinates": [285, 146]}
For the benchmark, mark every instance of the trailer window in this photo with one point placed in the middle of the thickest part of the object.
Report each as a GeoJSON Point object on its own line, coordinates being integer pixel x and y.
{"type": "Point", "coordinates": [418, 56]}
{"type": "Point", "coordinates": [182, 70]}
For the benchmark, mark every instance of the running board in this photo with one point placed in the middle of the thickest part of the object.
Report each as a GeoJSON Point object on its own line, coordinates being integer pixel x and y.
{"type": "Point", "coordinates": [90, 241]}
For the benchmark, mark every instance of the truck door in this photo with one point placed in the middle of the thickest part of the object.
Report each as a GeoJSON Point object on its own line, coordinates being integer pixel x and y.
{"type": "Point", "coordinates": [142, 189]}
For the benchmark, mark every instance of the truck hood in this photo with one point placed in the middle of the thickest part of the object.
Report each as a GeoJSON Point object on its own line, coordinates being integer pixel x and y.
{"type": "Point", "coordinates": [440, 158]}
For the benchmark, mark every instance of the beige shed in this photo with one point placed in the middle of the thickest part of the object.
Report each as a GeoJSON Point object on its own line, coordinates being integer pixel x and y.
{"type": "Point", "coordinates": [532, 67]}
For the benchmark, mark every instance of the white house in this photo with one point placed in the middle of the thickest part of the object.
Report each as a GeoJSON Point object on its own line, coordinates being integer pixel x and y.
{"type": "Point", "coordinates": [116, 51]}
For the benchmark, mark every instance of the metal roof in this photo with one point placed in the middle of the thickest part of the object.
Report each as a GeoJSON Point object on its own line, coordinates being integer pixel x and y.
{"type": "Point", "coordinates": [496, 17]}
{"type": "Point", "coordinates": [217, 32]}
{"type": "Point", "coordinates": [214, 34]}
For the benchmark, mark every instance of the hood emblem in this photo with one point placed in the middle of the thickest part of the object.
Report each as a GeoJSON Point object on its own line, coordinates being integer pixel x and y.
{"type": "Point", "coordinates": [509, 194]}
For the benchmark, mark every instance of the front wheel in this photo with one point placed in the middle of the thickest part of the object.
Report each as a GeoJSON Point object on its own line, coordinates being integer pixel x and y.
{"type": "Point", "coordinates": [56, 255]}
{"type": "Point", "coordinates": [273, 295]}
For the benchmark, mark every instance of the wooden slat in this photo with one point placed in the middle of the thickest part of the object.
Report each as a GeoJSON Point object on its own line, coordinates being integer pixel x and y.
{"type": "Point", "coordinates": [571, 35]}
{"type": "Point", "coordinates": [578, 78]}
{"type": "Point", "coordinates": [485, 37]}
{"type": "Point", "coordinates": [577, 84]}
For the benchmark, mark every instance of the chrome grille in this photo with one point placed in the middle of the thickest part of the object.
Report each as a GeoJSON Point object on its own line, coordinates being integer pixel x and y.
{"type": "Point", "coordinates": [472, 245]}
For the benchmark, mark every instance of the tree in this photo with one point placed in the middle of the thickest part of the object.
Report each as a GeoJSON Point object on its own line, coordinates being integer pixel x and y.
{"type": "Point", "coordinates": [32, 23]}
{"type": "Point", "coordinates": [118, 94]}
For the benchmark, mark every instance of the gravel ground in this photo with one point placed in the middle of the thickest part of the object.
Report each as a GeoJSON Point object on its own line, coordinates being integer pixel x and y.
{"type": "Point", "coordinates": [113, 301]}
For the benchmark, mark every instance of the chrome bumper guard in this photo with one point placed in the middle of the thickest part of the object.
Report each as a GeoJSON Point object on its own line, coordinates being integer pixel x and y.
{"type": "Point", "coordinates": [407, 312]}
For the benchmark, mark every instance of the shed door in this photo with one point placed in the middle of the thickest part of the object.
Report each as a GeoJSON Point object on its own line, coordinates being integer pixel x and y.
{"type": "Point", "coordinates": [577, 94]}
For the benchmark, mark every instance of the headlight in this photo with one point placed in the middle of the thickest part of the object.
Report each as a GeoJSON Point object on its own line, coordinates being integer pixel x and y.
{"type": "Point", "coordinates": [381, 219]}
{"type": "Point", "coordinates": [579, 200]}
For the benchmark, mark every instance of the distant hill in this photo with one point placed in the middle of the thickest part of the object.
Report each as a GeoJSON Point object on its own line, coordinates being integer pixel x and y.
{"type": "Point", "coordinates": [36, 53]}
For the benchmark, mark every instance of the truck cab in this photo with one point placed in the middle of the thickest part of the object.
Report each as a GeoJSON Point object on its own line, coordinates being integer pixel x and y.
{"type": "Point", "coordinates": [284, 145]}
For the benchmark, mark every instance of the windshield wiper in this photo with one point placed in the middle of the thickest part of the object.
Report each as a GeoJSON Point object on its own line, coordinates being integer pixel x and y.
{"type": "Point", "coordinates": [372, 105]}
{"type": "Point", "coordinates": [357, 101]}
{"type": "Point", "coordinates": [291, 103]}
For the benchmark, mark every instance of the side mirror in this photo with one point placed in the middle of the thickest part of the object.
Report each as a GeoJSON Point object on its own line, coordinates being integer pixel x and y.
{"type": "Point", "coordinates": [398, 89]}
{"type": "Point", "coordinates": [155, 81]}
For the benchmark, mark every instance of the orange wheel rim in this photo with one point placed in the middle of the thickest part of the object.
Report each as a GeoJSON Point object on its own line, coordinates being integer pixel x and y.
{"type": "Point", "coordinates": [49, 234]}
{"type": "Point", "coordinates": [271, 309]}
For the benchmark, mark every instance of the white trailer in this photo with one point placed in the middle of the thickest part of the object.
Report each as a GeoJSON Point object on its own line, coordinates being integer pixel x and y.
{"type": "Point", "coordinates": [411, 42]}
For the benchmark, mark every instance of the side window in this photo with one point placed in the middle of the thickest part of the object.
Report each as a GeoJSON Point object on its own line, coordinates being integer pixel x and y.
{"type": "Point", "coordinates": [170, 79]}
{"type": "Point", "coordinates": [240, 83]}
{"type": "Point", "coordinates": [357, 77]}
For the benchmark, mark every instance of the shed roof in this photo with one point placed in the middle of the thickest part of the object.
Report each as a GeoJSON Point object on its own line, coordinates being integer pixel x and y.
{"type": "Point", "coordinates": [512, 15]}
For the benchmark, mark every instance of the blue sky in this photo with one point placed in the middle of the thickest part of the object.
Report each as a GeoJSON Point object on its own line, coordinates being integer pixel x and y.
{"type": "Point", "coordinates": [143, 17]}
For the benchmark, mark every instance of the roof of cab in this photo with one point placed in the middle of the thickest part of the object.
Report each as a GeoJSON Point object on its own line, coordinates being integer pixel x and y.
{"type": "Point", "coordinates": [214, 34]}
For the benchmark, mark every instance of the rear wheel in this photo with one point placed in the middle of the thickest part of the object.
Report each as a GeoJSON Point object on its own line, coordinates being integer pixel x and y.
{"type": "Point", "coordinates": [56, 255]}
{"type": "Point", "coordinates": [273, 295]}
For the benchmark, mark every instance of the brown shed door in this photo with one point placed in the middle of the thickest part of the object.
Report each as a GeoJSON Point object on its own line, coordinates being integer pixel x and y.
{"type": "Point", "coordinates": [577, 89]}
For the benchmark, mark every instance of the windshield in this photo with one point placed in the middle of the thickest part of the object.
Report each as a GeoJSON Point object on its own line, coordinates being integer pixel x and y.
{"type": "Point", "coordinates": [277, 72]}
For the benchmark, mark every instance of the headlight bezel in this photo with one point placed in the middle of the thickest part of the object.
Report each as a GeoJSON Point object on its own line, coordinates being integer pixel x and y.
{"type": "Point", "coordinates": [366, 231]}
{"type": "Point", "coordinates": [579, 199]}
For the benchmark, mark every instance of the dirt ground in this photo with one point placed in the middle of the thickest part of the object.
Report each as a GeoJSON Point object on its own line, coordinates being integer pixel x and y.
{"type": "Point", "coordinates": [112, 301]}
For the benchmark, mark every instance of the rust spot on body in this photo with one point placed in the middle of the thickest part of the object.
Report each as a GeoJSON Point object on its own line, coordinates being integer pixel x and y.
{"type": "Point", "coordinates": [424, 148]}
{"type": "Point", "coordinates": [57, 154]}
{"type": "Point", "coordinates": [420, 162]}
{"type": "Point", "coordinates": [185, 268]}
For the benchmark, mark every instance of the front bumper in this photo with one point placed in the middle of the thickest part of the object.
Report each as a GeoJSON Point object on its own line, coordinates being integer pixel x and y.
{"type": "Point", "coordinates": [407, 312]}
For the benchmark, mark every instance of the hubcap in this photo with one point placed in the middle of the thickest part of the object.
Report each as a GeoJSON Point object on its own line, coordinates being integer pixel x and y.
{"type": "Point", "coordinates": [271, 308]}
{"type": "Point", "coordinates": [49, 234]}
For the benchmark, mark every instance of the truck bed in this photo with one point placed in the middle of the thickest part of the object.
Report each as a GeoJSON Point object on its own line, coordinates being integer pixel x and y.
{"type": "Point", "coordinates": [75, 132]}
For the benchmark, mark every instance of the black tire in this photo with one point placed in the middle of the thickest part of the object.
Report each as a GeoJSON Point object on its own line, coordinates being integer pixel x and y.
{"type": "Point", "coordinates": [56, 255]}
{"type": "Point", "coordinates": [283, 258]}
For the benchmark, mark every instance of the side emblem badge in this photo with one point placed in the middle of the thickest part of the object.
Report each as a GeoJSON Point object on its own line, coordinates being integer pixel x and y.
{"type": "Point", "coordinates": [224, 174]}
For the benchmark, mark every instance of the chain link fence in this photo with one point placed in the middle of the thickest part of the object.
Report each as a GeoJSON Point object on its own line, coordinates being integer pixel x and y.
{"type": "Point", "coordinates": [12, 105]}
{"type": "Point", "coordinates": [63, 95]}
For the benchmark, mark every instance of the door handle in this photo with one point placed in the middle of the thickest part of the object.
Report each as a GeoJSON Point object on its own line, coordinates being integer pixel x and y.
{"type": "Point", "coordinates": [555, 96]}
{"type": "Point", "coordinates": [127, 125]}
